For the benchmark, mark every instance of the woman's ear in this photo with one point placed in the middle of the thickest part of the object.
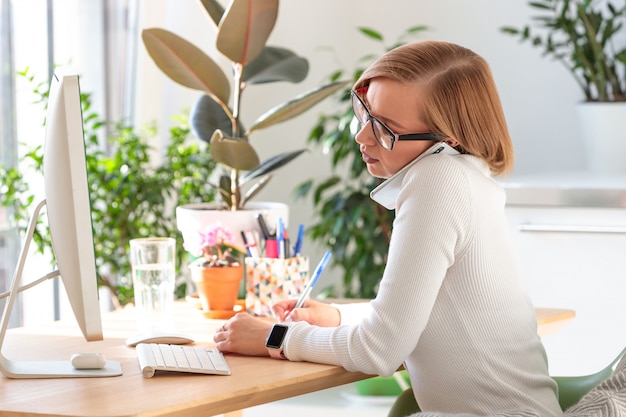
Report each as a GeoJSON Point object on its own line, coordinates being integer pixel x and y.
{"type": "Point", "coordinates": [452, 142]}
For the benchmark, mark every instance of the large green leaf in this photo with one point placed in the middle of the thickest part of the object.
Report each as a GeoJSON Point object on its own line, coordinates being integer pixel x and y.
{"type": "Point", "coordinates": [271, 164]}
{"type": "Point", "coordinates": [255, 189]}
{"type": "Point", "coordinates": [236, 153]}
{"type": "Point", "coordinates": [276, 64]}
{"type": "Point", "coordinates": [207, 116]}
{"type": "Point", "coordinates": [296, 106]}
{"type": "Point", "coordinates": [214, 9]}
{"type": "Point", "coordinates": [244, 29]}
{"type": "Point", "coordinates": [186, 64]}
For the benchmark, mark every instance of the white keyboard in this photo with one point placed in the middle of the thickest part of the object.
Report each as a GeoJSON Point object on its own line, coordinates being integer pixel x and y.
{"type": "Point", "coordinates": [162, 357]}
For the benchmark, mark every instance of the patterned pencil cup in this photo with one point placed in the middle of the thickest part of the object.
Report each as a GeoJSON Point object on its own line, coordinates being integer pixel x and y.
{"type": "Point", "coordinates": [269, 280]}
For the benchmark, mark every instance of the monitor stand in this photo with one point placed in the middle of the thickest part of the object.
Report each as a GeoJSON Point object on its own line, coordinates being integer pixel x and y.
{"type": "Point", "coordinates": [40, 369]}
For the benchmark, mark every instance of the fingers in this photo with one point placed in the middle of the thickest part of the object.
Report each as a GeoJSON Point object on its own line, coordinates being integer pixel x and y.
{"type": "Point", "coordinates": [243, 334]}
{"type": "Point", "coordinates": [282, 309]}
{"type": "Point", "coordinates": [220, 335]}
{"type": "Point", "coordinates": [279, 312]}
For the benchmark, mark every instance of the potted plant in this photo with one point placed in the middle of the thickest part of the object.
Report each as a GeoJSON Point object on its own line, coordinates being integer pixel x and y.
{"type": "Point", "coordinates": [242, 31]}
{"type": "Point", "coordinates": [131, 192]}
{"type": "Point", "coordinates": [218, 269]}
{"type": "Point", "coordinates": [587, 37]}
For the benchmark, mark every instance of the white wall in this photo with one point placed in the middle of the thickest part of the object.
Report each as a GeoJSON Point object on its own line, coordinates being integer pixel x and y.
{"type": "Point", "coordinates": [538, 95]}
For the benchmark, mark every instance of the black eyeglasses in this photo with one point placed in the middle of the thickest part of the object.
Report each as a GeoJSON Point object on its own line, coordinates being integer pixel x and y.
{"type": "Point", "coordinates": [384, 136]}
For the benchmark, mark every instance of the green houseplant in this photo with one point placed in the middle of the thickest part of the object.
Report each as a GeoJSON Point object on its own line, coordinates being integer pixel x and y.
{"type": "Point", "coordinates": [348, 222]}
{"type": "Point", "coordinates": [242, 31]}
{"type": "Point", "coordinates": [587, 37]}
{"type": "Point", "coordinates": [131, 192]}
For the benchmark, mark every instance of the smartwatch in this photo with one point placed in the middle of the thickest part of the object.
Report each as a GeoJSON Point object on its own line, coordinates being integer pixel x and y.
{"type": "Point", "coordinates": [274, 342]}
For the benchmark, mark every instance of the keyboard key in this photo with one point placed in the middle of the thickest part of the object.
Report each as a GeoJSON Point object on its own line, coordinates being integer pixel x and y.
{"type": "Point", "coordinates": [179, 355]}
{"type": "Point", "coordinates": [157, 355]}
{"type": "Point", "coordinates": [194, 360]}
{"type": "Point", "coordinates": [218, 360]}
{"type": "Point", "coordinates": [168, 356]}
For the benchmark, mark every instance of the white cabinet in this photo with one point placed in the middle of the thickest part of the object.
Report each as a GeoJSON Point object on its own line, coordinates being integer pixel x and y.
{"type": "Point", "coordinates": [570, 232]}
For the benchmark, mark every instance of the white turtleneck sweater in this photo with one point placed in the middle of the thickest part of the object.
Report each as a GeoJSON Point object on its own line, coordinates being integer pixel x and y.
{"type": "Point", "coordinates": [452, 305]}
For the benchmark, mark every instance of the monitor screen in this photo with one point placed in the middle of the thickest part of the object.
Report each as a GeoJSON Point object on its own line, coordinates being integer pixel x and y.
{"type": "Point", "coordinates": [67, 201]}
{"type": "Point", "coordinates": [68, 210]}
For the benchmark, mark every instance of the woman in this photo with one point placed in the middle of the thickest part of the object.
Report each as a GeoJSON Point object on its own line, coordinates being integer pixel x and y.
{"type": "Point", "coordinates": [451, 306]}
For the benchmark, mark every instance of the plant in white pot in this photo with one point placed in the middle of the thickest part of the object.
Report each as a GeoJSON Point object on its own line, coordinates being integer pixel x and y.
{"type": "Point", "coordinates": [589, 38]}
{"type": "Point", "coordinates": [242, 32]}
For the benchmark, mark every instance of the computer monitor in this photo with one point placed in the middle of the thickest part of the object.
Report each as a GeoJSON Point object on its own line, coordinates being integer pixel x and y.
{"type": "Point", "coordinates": [68, 210]}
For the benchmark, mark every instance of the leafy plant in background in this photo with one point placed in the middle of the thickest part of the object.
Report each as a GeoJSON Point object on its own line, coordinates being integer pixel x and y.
{"type": "Point", "coordinates": [588, 38]}
{"type": "Point", "coordinates": [356, 229]}
{"type": "Point", "coordinates": [132, 193]}
{"type": "Point", "coordinates": [242, 33]}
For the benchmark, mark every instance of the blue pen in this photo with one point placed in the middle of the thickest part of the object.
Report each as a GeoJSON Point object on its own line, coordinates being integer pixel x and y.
{"type": "Point", "coordinates": [316, 275]}
{"type": "Point", "coordinates": [298, 246]}
{"type": "Point", "coordinates": [280, 238]}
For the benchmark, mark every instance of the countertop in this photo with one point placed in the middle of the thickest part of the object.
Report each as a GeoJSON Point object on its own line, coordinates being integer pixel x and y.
{"type": "Point", "coordinates": [566, 189]}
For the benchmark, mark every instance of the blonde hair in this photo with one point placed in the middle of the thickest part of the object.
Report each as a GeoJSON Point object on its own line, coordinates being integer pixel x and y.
{"type": "Point", "coordinates": [461, 100]}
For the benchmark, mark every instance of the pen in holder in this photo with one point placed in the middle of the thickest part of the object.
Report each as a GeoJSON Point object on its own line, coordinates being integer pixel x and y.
{"type": "Point", "coordinates": [269, 280]}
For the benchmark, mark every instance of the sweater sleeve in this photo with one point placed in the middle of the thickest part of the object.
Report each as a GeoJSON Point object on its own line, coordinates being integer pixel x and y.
{"type": "Point", "coordinates": [432, 213]}
{"type": "Point", "coordinates": [352, 313]}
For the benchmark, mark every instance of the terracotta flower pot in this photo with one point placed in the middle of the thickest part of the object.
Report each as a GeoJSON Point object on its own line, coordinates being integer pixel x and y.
{"type": "Point", "coordinates": [217, 287]}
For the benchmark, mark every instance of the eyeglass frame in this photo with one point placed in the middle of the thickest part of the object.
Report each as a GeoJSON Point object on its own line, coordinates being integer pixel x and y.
{"type": "Point", "coordinates": [394, 136]}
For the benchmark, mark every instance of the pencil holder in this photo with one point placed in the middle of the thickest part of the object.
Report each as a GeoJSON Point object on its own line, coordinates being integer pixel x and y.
{"type": "Point", "coordinates": [269, 280]}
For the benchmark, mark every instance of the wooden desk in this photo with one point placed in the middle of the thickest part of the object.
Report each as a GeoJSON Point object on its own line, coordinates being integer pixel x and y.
{"type": "Point", "coordinates": [253, 381]}
{"type": "Point", "coordinates": [551, 320]}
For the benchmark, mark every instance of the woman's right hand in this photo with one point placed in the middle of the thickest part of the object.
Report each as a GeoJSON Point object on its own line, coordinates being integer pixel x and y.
{"type": "Point", "coordinates": [313, 312]}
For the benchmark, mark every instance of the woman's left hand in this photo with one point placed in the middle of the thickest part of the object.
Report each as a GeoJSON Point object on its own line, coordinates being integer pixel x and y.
{"type": "Point", "coordinates": [244, 334]}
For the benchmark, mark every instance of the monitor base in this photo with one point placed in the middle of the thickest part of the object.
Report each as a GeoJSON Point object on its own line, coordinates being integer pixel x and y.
{"type": "Point", "coordinates": [40, 369]}
{"type": "Point", "coordinates": [55, 369]}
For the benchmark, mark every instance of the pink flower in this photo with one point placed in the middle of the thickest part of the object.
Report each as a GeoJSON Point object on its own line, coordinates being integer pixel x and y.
{"type": "Point", "coordinates": [214, 235]}
{"type": "Point", "coordinates": [214, 243]}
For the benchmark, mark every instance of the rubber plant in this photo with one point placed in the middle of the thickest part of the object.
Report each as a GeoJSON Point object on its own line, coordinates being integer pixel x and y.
{"type": "Point", "coordinates": [242, 31]}
{"type": "Point", "coordinates": [132, 190]}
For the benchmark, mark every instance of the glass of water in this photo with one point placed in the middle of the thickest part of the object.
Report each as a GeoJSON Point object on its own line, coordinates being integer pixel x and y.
{"type": "Point", "coordinates": [153, 261]}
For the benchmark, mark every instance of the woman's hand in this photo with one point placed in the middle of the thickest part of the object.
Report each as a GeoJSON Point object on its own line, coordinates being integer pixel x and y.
{"type": "Point", "coordinates": [314, 312]}
{"type": "Point", "coordinates": [244, 334]}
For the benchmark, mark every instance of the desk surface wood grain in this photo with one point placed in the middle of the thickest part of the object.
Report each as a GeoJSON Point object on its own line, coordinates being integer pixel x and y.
{"type": "Point", "coordinates": [253, 381]}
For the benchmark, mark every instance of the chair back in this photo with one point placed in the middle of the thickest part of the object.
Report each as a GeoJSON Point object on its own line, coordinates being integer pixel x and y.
{"type": "Point", "coordinates": [573, 388]}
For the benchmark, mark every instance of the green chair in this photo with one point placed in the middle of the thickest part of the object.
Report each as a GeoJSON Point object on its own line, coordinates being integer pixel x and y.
{"type": "Point", "coordinates": [571, 390]}
{"type": "Point", "coordinates": [404, 405]}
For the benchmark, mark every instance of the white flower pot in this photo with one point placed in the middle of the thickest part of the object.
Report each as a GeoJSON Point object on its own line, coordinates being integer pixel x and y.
{"type": "Point", "coordinates": [191, 218]}
{"type": "Point", "coordinates": [603, 132]}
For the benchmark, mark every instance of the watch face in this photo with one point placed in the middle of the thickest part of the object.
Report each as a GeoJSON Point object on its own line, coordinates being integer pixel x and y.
{"type": "Point", "coordinates": [276, 337]}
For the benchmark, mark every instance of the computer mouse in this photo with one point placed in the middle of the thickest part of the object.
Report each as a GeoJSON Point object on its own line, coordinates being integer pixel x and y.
{"type": "Point", "coordinates": [170, 338]}
{"type": "Point", "coordinates": [88, 361]}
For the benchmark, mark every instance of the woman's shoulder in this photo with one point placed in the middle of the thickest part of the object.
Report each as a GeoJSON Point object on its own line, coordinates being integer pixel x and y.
{"type": "Point", "coordinates": [449, 169]}
{"type": "Point", "coordinates": [449, 178]}
{"type": "Point", "coordinates": [436, 169]}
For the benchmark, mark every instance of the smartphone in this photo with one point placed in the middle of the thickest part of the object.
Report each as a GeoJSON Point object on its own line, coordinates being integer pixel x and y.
{"type": "Point", "coordinates": [385, 194]}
